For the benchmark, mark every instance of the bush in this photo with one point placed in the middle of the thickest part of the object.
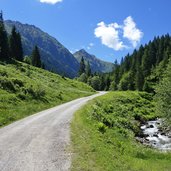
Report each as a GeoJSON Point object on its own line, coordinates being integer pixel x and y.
{"type": "Point", "coordinates": [36, 93]}
{"type": "Point", "coordinates": [7, 85]}
{"type": "Point", "coordinates": [18, 82]}
{"type": "Point", "coordinates": [102, 127]}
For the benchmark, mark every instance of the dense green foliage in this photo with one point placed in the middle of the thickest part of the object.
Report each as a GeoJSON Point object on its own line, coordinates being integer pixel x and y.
{"type": "Point", "coordinates": [144, 68]}
{"type": "Point", "coordinates": [140, 71]}
{"type": "Point", "coordinates": [4, 47]}
{"type": "Point", "coordinates": [99, 81]}
{"type": "Point", "coordinates": [25, 89]}
{"type": "Point", "coordinates": [163, 95]}
{"type": "Point", "coordinates": [103, 135]}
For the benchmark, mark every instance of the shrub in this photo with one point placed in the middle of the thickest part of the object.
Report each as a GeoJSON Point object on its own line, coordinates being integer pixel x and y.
{"type": "Point", "coordinates": [18, 82]}
{"type": "Point", "coordinates": [102, 127]}
{"type": "Point", "coordinates": [7, 85]}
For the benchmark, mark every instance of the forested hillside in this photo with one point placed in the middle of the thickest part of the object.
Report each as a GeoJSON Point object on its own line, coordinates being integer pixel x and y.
{"type": "Point", "coordinates": [144, 68]}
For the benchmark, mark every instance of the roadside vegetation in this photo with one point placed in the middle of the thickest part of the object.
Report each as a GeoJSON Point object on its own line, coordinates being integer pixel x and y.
{"type": "Point", "coordinates": [103, 135]}
{"type": "Point", "coordinates": [25, 89]}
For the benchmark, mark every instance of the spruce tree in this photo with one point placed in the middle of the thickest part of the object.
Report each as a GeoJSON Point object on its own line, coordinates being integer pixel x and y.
{"type": "Point", "coordinates": [19, 48]}
{"type": "Point", "coordinates": [146, 63]}
{"type": "Point", "coordinates": [35, 56]}
{"type": "Point", "coordinates": [82, 66]}
{"type": "Point", "coordinates": [4, 48]}
{"type": "Point", "coordinates": [16, 50]}
{"type": "Point", "coordinates": [116, 75]}
{"type": "Point", "coordinates": [139, 81]}
{"type": "Point", "coordinates": [88, 69]}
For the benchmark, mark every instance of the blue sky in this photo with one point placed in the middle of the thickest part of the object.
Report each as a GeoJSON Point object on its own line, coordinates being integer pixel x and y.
{"type": "Point", "coordinates": [108, 29]}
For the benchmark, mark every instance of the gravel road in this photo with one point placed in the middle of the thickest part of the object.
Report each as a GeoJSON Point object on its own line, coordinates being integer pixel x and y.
{"type": "Point", "coordinates": [39, 142]}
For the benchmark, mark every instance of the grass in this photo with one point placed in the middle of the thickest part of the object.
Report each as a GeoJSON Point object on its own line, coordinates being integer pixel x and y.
{"type": "Point", "coordinates": [103, 135]}
{"type": "Point", "coordinates": [25, 89]}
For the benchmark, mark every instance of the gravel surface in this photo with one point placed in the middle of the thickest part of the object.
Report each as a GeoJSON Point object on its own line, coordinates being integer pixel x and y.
{"type": "Point", "coordinates": [39, 142]}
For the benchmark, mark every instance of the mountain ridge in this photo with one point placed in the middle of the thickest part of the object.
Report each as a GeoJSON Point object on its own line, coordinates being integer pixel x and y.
{"type": "Point", "coordinates": [54, 55]}
{"type": "Point", "coordinates": [96, 64]}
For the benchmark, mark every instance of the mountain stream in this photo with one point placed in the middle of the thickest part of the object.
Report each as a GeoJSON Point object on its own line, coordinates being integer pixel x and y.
{"type": "Point", "coordinates": [153, 136]}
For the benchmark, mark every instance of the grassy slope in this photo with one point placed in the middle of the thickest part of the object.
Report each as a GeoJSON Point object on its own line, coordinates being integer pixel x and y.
{"type": "Point", "coordinates": [103, 135]}
{"type": "Point", "coordinates": [25, 90]}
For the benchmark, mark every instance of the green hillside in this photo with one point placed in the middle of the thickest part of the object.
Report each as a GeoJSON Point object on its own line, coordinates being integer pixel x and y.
{"type": "Point", "coordinates": [25, 90]}
{"type": "Point", "coordinates": [103, 135]}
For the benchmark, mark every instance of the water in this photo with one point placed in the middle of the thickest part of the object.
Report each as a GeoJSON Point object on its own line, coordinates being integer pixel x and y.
{"type": "Point", "coordinates": [154, 137]}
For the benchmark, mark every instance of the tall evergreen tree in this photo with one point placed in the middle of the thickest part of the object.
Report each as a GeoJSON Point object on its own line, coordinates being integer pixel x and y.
{"type": "Point", "coordinates": [146, 63]}
{"type": "Point", "coordinates": [88, 69]}
{"type": "Point", "coordinates": [36, 60]}
{"type": "Point", "coordinates": [4, 48]}
{"type": "Point", "coordinates": [139, 81]}
{"type": "Point", "coordinates": [82, 66]}
{"type": "Point", "coordinates": [116, 75]}
{"type": "Point", "coordinates": [16, 50]}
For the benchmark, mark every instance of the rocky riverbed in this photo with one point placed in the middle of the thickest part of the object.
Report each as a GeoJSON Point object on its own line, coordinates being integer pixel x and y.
{"type": "Point", "coordinates": [152, 135]}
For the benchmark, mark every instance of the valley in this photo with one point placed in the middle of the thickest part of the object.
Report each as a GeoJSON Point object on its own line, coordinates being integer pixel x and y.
{"type": "Point", "coordinates": [62, 108]}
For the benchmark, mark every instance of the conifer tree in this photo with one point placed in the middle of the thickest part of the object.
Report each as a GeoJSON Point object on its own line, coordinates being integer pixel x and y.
{"type": "Point", "coordinates": [20, 48]}
{"type": "Point", "coordinates": [82, 66]}
{"type": "Point", "coordinates": [16, 50]}
{"type": "Point", "coordinates": [146, 63]}
{"type": "Point", "coordinates": [88, 69]}
{"type": "Point", "coordinates": [4, 48]}
{"type": "Point", "coordinates": [116, 75]}
{"type": "Point", "coordinates": [139, 81]}
{"type": "Point", "coordinates": [36, 61]}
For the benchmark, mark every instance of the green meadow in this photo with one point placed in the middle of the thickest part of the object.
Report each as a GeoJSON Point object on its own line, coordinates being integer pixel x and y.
{"type": "Point", "coordinates": [25, 89]}
{"type": "Point", "coordinates": [103, 135]}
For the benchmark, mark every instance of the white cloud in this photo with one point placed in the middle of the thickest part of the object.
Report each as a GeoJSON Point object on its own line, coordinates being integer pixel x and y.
{"type": "Point", "coordinates": [109, 35]}
{"type": "Point", "coordinates": [131, 32]}
{"type": "Point", "coordinates": [113, 35]}
{"type": "Point", "coordinates": [91, 44]}
{"type": "Point", "coordinates": [50, 1]}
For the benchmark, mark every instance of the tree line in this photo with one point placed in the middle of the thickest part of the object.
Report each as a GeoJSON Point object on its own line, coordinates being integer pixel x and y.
{"type": "Point", "coordinates": [141, 70]}
{"type": "Point", "coordinates": [144, 68]}
{"type": "Point", "coordinates": [99, 81]}
{"type": "Point", "coordinates": [11, 47]}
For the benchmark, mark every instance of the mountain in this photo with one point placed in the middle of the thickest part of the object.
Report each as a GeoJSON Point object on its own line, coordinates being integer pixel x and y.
{"type": "Point", "coordinates": [96, 64]}
{"type": "Point", "coordinates": [54, 55]}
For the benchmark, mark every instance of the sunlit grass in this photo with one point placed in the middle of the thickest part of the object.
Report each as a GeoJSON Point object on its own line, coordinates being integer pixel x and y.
{"type": "Point", "coordinates": [25, 90]}
{"type": "Point", "coordinates": [114, 148]}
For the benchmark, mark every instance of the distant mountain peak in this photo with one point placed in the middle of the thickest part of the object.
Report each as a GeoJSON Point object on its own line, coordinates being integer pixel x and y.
{"type": "Point", "coordinates": [97, 65]}
{"type": "Point", "coordinates": [82, 50]}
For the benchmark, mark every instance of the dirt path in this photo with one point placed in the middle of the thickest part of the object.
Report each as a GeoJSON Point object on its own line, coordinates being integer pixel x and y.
{"type": "Point", "coordinates": [38, 142]}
